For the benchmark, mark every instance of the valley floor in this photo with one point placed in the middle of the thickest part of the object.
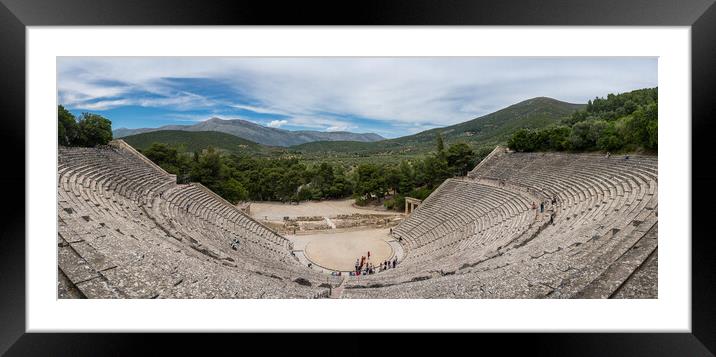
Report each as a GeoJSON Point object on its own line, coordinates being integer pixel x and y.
{"type": "Point", "coordinates": [339, 251]}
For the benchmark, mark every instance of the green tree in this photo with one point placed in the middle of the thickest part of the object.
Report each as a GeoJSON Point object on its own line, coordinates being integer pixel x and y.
{"type": "Point", "coordinates": [435, 170]}
{"type": "Point", "coordinates": [653, 130]}
{"type": "Point", "coordinates": [407, 177]}
{"type": "Point", "coordinates": [323, 179]}
{"type": "Point", "coordinates": [209, 170]}
{"type": "Point", "coordinates": [233, 191]}
{"type": "Point", "coordinates": [555, 138]}
{"type": "Point", "coordinates": [585, 134]}
{"type": "Point", "coordinates": [289, 181]}
{"type": "Point", "coordinates": [638, 128]}
{"type": "Point", "coordinates": [370, 183]}
{"type": "Point", "coordinates": [343, 184]}
{"type": "Point", "coordinates": [94, 130]}
{"type": "Point", "coordinates": [399, 203]}
{"type": "Point", "coordinates": [305, 193]}
{"type": "Point", "coordinates": [170, 160]}
{"type": "Point", "coordinates": [460, 158]}
{"type": "Point", "coordinates": [67, 129]}
{"type": "Point", "coordinates": [162, 154]}
{"type": "Point", "coordinates": [392, 178]}
{"type": "Point", "coordinates": [609, 142]}
{"type": "Point", "coordinates": [522, 140]}
{"type": "Point", "coordinates": [439, 143]}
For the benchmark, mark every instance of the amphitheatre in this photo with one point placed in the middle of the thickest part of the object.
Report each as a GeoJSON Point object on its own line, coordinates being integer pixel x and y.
{"type": "Point", "coordinates": [127, 229]}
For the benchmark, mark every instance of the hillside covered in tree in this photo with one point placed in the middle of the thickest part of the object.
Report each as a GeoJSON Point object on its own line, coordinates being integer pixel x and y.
{"type": "Point", "coordinates": [618, 123]}
{"type": "Point", "coordinates": [489, 130]}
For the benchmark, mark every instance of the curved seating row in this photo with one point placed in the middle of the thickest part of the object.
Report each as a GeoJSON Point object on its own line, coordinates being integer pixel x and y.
{"type": "Point", "coordinates": [126, 229]}
{"type": "Point", "coordinates": [606, 209]}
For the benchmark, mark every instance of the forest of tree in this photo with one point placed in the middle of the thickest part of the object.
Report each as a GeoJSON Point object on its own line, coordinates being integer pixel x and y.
{"type": "Point", "coordinates": [618, 123]}
{"type": "Point", "coordinates": [242, 177]}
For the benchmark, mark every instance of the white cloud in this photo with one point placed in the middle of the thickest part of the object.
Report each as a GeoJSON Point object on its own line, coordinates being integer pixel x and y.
{"type": "Point", "coordinates": [102, 104]}
{"type": "Point", "coordinates": [323, 123]}
{"type": "Point", "coordinates": [341, 127]}
{"type": "Point", "coordinates": [276, 123]}
{"type": "Point", "coordinates": [183, 101]}
{"type": "Point", "coordinates": [258, 109]}
{"type": "Point", "coordinates": [321, 92]}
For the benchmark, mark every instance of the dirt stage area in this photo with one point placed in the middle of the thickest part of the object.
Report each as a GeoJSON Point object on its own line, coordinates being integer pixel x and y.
{"type": "Point", "coordinates": [331, 235]}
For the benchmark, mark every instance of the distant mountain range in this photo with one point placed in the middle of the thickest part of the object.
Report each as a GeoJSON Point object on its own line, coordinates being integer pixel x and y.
{"type": "Point", "coordinates": [490, 129]}
{"type": "Point", "coordinates": [258, 133]}
{"type": "Point", "coordinates": [485, 131]}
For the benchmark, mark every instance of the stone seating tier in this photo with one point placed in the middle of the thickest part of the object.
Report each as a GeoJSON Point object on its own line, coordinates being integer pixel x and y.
{"type": "Point", "coordinates": [471, 240]}
{"type": "Point", "coordinates": [126, 229]}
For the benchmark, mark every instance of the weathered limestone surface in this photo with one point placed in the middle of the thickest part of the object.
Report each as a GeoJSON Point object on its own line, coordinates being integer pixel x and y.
{"type": "Point", "coordinates": [126, 229]}
{"type": "Point", "coordinates": [480, 238]}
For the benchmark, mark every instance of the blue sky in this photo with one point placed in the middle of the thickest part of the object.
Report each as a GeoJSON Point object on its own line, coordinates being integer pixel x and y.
{"type": "Point", "coordinates": [389, 96]}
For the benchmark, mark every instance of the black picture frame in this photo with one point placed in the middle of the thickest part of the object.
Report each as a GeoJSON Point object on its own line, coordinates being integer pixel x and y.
{"type": "Point", "coordinates": [700, 15]}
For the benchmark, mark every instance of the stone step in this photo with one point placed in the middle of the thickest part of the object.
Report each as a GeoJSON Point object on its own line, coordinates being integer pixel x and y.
{"type": "Point", "coordinates": [607, 283]}
{"type": "Point", "coordinates": [85, 272]}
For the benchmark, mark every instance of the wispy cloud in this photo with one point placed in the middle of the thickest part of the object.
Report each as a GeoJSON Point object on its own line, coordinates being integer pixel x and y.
{"type": "Point", "coordinates": [100, 105]}
{"type": "Point", "coordinates": [322, 123]}
{"type": "Point", "coordinates": [259, 109]}
{"type": "Point", "coordinates": [399, 95]}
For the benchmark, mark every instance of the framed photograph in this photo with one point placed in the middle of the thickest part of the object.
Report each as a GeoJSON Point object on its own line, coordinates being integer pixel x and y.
{"type": "Point", "coordinates": [423, 168]}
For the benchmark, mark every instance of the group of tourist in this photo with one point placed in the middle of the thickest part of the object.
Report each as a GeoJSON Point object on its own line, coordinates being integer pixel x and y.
{"type": "Point", "coordinates": [364, 266]}
{"type": "Point", "coordinates": [626, 157]}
